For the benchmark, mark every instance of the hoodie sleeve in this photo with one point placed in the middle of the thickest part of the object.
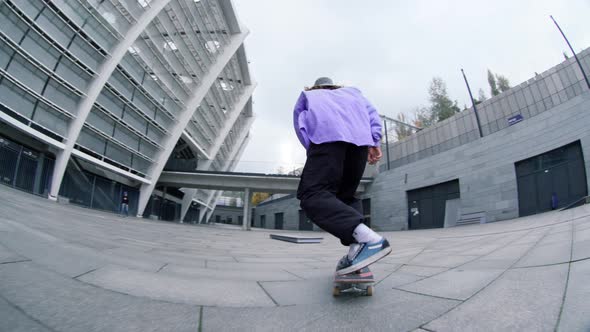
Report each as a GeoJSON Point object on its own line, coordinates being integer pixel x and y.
{"type": "Point", "coordinates": [299, 120]}
{"type": "Point", "coordinates": [375, 121]}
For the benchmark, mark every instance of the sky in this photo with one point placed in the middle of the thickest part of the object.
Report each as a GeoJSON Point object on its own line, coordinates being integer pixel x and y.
{"type": "Point", "coordinates": [391, 50]}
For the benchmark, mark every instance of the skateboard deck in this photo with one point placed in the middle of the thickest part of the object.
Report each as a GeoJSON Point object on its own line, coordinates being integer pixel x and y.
{"type": "Point", "coordinates": [359, 282]}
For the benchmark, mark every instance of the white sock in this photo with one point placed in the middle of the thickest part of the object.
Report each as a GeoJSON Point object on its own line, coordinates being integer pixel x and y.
{"type": "Point", "coordinates": [364, 234]}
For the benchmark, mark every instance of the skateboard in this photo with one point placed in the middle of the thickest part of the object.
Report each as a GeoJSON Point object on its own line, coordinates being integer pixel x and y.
{"type": "Point", "coordinates": [358, 282]}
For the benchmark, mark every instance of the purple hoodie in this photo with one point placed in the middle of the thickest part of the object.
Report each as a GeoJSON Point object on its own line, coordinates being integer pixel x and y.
{"type": "Point", "coordinates": [344, 114]}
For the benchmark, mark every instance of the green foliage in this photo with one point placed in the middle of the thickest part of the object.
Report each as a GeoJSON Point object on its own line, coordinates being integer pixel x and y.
{"type": "Point", "coordinates": [401, 131]}
{"type": "Point", "coordinates": [441, 106]}
{"type": "Point", "coordinates": [492, 82]}
{"type": "Point", "coordinates": [259, 197]}
{"type": "Point", "coordinates": [498, 83]}
{"type": "Point", "coordinates": [423, 117]}
{"type": "Point", "coordinates": [503, 83]}
{"type": "Point", "coordinates": [480, 98]}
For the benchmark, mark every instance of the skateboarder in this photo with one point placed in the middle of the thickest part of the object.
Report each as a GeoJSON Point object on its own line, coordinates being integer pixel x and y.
{"type": "Point", "coordinates": [341, 131]}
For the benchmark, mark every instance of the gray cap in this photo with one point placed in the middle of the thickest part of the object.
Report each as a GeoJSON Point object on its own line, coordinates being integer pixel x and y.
{"type": "Point", "coordinates": [323, 81]}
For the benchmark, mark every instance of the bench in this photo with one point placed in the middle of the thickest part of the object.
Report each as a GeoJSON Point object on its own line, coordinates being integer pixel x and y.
{"type": "Point", "coordinates": [472, 218]}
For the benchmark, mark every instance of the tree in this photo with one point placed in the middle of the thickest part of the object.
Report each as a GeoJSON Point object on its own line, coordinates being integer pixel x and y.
{"type": "Point", "coordinates": [259, 197]}
{"type": "Point", "coordinates": [402, 131]}
{"type": "Point", "coordinates": [498, 83]}
{"type": "Point", "coordinates": [492, 82]}
{"type": "Point", "coordinates": [480, 98]}
{"type": "Point", "coordinates": [503, 83]}
{"type": "Point", "coordinates": [482, 95]}
{"type": "Point", "coordinates": [423, 117]}
{"type": "Point", "coordinates": [442, 107]}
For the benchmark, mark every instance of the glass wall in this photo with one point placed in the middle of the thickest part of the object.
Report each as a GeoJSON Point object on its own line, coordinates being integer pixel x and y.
{"type": "Point", "coordinates": [24, 168]}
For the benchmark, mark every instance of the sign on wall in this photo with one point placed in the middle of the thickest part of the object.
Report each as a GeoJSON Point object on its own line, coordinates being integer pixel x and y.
{"type": "Point", "coordinates": [515, 119]}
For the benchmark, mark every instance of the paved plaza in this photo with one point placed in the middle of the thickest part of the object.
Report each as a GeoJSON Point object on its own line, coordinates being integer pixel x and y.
{"type": "Point", "coordinates": [66, 268]}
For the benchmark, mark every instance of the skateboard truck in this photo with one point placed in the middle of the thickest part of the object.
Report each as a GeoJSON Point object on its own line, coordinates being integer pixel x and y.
{"type": "Point", "coordinates": [358, 282]}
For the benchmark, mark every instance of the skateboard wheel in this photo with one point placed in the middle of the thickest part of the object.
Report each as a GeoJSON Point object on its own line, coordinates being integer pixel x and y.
{"type": "Point", "coordinates": [336, 291]}
{"type": "Point", "coordinates": [370, 291]}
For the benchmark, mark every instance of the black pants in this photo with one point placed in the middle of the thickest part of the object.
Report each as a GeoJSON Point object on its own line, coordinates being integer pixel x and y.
{"type": "Point", "coordinates": [329, 180]}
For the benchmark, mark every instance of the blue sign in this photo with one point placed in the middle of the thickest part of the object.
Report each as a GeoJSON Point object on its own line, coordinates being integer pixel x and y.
{"type": "Point", "coordinates": [515, 119]}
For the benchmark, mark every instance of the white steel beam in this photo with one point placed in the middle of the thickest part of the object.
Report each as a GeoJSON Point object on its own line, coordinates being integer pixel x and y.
{"type": "Point", "coordinates": [95, 87]}
{"type": "Point", "coordinates": [190, 193]}
{"type": "Point", "coordinates": [230, 15]}
{"type": "Point", "coordinates": [231, 121]}
{"type": "Point", "coordinates": [246, 217]}
{"type": "Point", "coordinates": [232, 161]}
{"type": "Point", "coordinates": [182, 121]}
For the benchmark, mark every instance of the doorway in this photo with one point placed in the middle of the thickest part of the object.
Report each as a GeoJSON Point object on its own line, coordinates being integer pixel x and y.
{"type": "Point", "coordinates": [426, 206]}
{"type": "Point", "coordinates": [551, 180]}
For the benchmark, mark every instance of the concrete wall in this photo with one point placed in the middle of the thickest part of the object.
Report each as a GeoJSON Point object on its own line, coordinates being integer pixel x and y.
{"type": "Point", "coordinates": [228, 211]}
{"type": "Point", "coordinates": [485, 167]}
{"type": "Point", "coordinates": [288, 205]}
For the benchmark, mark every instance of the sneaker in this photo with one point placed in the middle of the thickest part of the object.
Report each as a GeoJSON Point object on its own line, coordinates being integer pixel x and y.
{"type": "Point", "coordinates": [344, 262]}
{"type": "Point", "coordinates": [367, 255]}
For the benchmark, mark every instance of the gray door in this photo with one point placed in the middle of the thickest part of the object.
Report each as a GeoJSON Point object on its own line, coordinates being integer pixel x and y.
{"type": "Point", "coordinates": [279, 220]}
{"type": "Point", "coordinates": [304, 223]}
{"type": "Point", "coordinates": [426, 206]}
{"type": "Point", "coordinates": [262, 221]}
{"type": "Point", "coordinates": [550, 180]}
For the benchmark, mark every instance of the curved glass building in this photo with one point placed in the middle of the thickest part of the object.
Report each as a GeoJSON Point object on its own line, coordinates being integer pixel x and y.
{"type": "Point", "coordinates": [98, 97]}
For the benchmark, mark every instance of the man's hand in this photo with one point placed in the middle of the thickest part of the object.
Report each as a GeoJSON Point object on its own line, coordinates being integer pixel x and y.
{"type": "Point", "coordinates": [374, 154]}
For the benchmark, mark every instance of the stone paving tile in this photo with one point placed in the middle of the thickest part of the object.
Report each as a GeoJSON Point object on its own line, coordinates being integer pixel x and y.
{"type": "Point", "coordinates": [252, 266]}
{"type": "Point", "coordinates": [199, 291]}
{"type": "Point", "coordinates": [581, 248]}
{"type": "Point", "coordinates": [7, 256]}
{"type": "Point", "coordinates": [14, 320]}
{"type": "Point", "coordinates": [259, 319]}
{"type": "Point", "coordinates": [422, 271]}
{"type": "Point", "coordinates": [51, 255]}
{"type": "Point", "coordinates": [576, 308]}
{"type": "Point", "coordinates": [457, 284]}
{"type": "Point", "coordinates": [532, 238]}
{"type": "Point", "coordinates": [306, 273]}
{"type": "Point", "coordinates": [66, 258]}
{"type": "Point", "coordinates": [545, 255]}
{"type": "Point", "coordinates": [552, 249]}
{"type": "Point", "coordinates": [441, 260]}
{"type": "Point", "coordinates": [150, 256]}
{"type": "Point", "coordinates": [302, 292]}
{"type": "Point", "coordinates": [511, 252]}
{"type": "Point", "coordinates": [397, 279]}
{"type": "Point", "coordinates": [64, 304]}
{"type": "Point", "coordinates": [189, 272]}
{"type": "Point", "coordinates": [385, 311]}
{"type": "Point", "coordinates": [490, 263]}
{"type": "Point", "coordinates": [520, 300]}
{"type": "Point", "coordinates": [128, 252]}
{"type": "Point", "coordinates": [169, 254]}
{"type": "Point", "coordinates": [398, 311]}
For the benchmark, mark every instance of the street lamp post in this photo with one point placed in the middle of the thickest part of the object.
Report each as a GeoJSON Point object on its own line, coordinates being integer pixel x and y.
{"type": "Point", "coordinates": [386, 143]}
{"type": "Point", "coordinates": [573, 52]}
{"type": "Point", "coordinates": [472, 103]}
